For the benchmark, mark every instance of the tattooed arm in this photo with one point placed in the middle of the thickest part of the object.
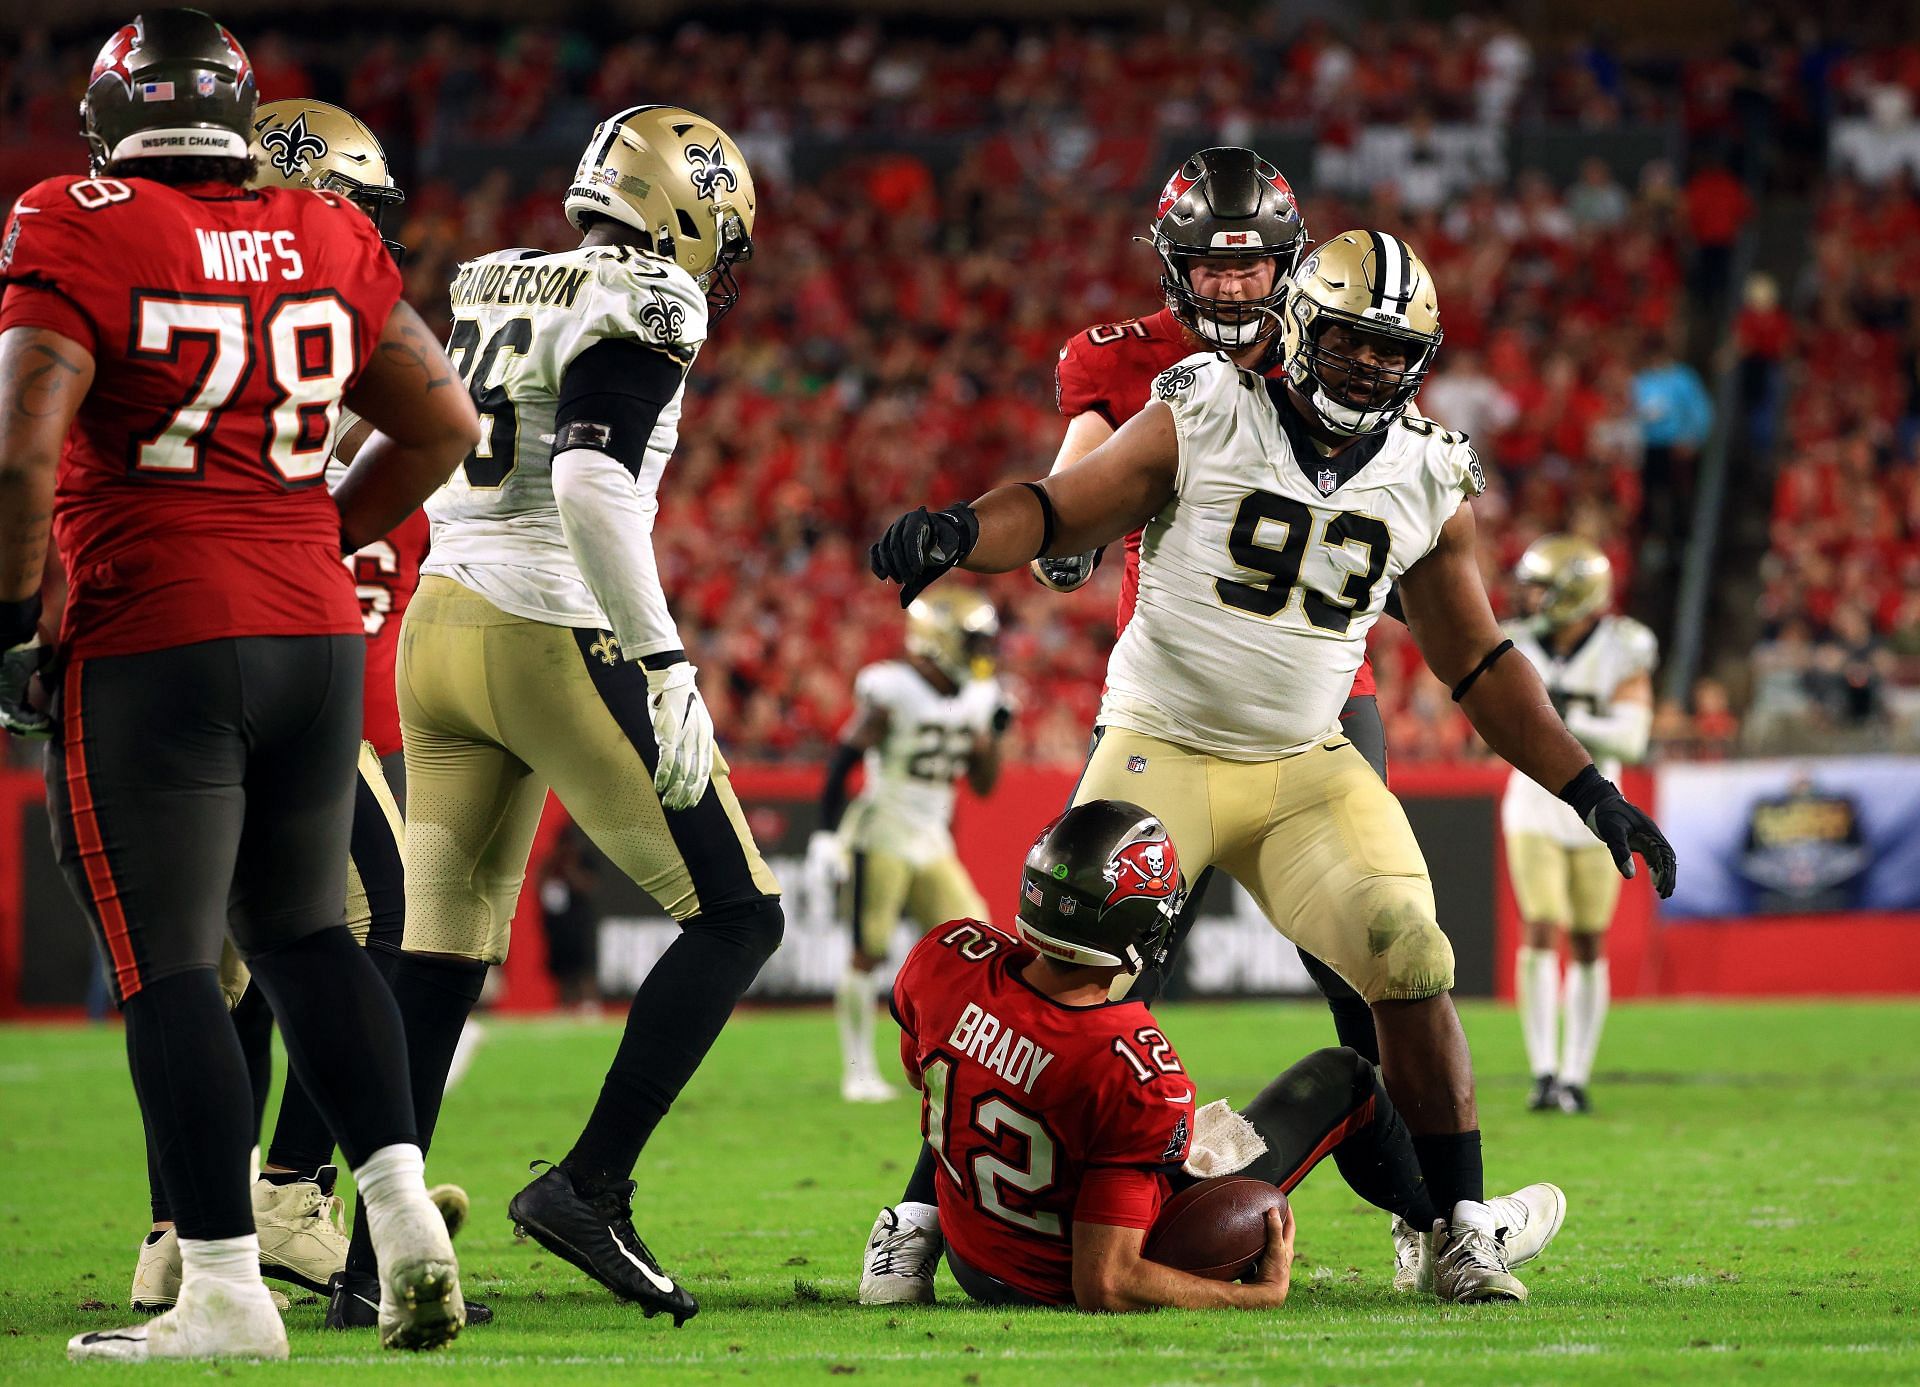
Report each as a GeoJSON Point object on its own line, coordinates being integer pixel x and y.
{"type": "Point", "coordinates": [424, 424]}
{"type": "Point", "coordinates": [44, 376]}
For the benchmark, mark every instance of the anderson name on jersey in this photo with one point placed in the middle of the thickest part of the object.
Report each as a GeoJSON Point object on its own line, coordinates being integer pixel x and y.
{"type": "Point", "coordinates": [1262, 577]}
{"type": "Point", "coordinates": [906, 808]}
{"type": "Point", "coordinates": [1616, 650]}
{"type": "Point", "coordinates": [521, 317]}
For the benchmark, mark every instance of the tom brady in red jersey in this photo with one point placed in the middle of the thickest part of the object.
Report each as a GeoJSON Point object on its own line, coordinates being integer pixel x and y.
{"type": "Point", "coordinates": [175, 348]}
{"type": "Point", "coordinates": [1061, 1121]}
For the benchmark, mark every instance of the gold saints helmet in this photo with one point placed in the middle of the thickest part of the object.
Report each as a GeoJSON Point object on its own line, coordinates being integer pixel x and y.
{"type": "Point", "coordinates": [311, 144]}
{"type": "Point", "coordinates": [955, 629]}
{"type": "Point", "coordinates": [1360, 287]}
{"type": "Point", "coordinates": [1570, 575]}
{"type": "Point", "coordinates": [681, 180]}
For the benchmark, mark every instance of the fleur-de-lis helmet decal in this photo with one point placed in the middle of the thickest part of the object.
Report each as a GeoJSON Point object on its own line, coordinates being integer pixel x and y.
{"type": "Point", "coordinates": [292, 148]}
{"type": "Point", "coordinates": [711, 171]}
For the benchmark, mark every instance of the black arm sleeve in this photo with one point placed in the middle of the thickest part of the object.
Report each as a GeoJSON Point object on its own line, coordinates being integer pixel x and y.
{"type": "Point", "coordinates": [833, 795]}
{"type": "Point", "coordinates": [611, 397]}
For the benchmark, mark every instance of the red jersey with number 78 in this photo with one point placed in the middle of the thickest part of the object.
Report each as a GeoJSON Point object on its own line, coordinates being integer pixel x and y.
{"type": "Point", "coordinates": [1040, 1114]}
{"type": "Point", "coordinates": [225, 324]}
{"type": "Point", "coordinates": [1109, 370]}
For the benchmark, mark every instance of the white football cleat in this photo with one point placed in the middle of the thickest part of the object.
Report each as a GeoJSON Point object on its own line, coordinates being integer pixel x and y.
{"type": "Point", "coordinates": [299, 1227]}
{"type": "Point", "coordinates": [420, 1302]}
{"type": "Point", "coordinates": [156, 1276]}
{"type": "Point", "coordinates": [1470, 1264]}
{"type": "Point", "coordinates": [902, 1251]}
{"type": "Point", "coordinates": [212, 1319]}
{"type": "Point", "coordinates": [867, 1088]}
{"type": "Point", "coordinates": [1528, 1219]}
{"type": "Point", "coordinates": [1412, 1258]}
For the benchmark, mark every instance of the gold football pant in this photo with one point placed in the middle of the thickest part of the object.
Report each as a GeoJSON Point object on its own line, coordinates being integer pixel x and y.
{"type": "Point", "coordinates": [1317, 840]}
{"type": "Point", "coordinates": [369, 876]}
{"type": "Point", "coordinates": [1572, 888]}
{"type": "Point", "coordinates": [495, 709]}
{"type": "Point", "coordinates": [882, 888]}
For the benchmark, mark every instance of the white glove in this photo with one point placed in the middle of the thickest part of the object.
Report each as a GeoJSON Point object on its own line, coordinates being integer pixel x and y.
{"type": "Point", "coordinates": [684, 731]}
{"type": "Point", "coordinates": [826, 863]}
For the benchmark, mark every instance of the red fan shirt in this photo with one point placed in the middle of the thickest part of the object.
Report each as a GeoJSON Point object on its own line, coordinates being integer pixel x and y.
{"type": "Point", "coordinates": [1110, 370]}
{"type": "Point", "coordinates": [225, 325]}
{"type": "Point", "coordinates": [1041, 1114]}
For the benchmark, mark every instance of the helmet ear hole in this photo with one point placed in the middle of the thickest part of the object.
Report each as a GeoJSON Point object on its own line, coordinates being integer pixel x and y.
{"type": "Point", "coordinates": [688, 226]}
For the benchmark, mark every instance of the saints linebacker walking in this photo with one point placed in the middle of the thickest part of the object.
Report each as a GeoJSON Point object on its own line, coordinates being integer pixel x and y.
{"type": "Point", "coordinates": [539, 652]}
{"type": "Point", "coordinates": [919, 725]}
{"type": "Point", "coordinates": [1598, 670]}
{"type": "Point", "coordinates": [1277, 512]}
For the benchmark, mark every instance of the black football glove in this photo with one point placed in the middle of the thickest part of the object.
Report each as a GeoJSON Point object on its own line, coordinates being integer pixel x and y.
{"type": "Point", "coordinates": [18, 665]}
{"type": "Point", "coordinates": [1064, 575]}
{"type": "Point", "coordinates": [1622, 826]}
{"type": "Point", "coordinates": [923, 544]}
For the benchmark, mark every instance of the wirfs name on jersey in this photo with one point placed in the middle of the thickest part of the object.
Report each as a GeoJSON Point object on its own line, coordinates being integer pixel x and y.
{"type": "Point", "coordinates": [982, 1036]}
{"type": "Point", "coordinates": [237, 256]}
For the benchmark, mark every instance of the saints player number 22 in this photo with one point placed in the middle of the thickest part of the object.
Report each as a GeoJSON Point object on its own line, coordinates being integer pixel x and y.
{"type": "Point", "coordinates": [1343, 530]}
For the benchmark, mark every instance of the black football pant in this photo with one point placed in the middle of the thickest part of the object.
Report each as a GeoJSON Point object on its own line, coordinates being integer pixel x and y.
{"type": "Point", "coordinates": [207, 790]}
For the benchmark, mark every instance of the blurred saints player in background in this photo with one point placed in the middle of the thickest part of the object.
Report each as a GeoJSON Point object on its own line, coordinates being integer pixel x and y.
{"type": "Point", "coordinates": [539, 652]}
{"type": "Point", "coordinates": [313, 145]}
{"type": "Point", "coordinates": [1598, 670]}
{"type": "Point", "coordinates": [919, 725]}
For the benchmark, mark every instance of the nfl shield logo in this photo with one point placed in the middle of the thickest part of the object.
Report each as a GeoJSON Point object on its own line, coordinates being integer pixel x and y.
{"type": "Point", "coordinates": [203, 83]}
{"type": "Point", "coordinates": [1137, 764]}
{"type": "Point", "coordinates": [1068, 905]}
{"type": "Point", "coordinates": [1328, 481]}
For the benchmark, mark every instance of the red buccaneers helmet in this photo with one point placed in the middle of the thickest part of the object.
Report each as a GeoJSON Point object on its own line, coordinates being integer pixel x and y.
{"type": "Point", "coordinates": [1227, 202]}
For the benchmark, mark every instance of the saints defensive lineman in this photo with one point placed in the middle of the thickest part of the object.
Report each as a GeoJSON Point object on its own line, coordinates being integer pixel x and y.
{"type": "Point", "coordinates": [1277, 512]}
{"type": "Point", "coordinates": [1598, 669]}
{"type": "Point", "coordinates": [540, 653]}
{"type": "Point", "coordinates": [919, 725]}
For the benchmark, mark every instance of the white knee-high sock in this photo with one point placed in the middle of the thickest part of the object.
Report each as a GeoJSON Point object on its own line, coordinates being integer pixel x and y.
{"type": "Point", "coordinates": [853, 1009]}
{"type": "Point", "coordinates": [1589, 989]}
{"type": "Point", "coordinates": [233, 1260]}
{"type": "Point", "coordinates": [1537, 981]}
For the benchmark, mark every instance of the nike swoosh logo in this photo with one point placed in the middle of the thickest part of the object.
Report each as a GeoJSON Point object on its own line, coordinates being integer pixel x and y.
{"type": "Point", "coordinates": [1186, 1097]}
{"type": "Point", "coordinates": [370, 1304]}
{"type": "Point", "coordinates": [660, 1283]}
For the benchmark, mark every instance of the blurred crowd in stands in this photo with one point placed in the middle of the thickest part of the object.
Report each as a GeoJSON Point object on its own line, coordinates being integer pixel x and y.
{"type": "Point", "coordinates": [895, 339]}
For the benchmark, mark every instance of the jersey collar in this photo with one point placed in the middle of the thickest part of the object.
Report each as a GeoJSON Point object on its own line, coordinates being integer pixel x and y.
{"type": "Point", "coordinates": [1325, 475]}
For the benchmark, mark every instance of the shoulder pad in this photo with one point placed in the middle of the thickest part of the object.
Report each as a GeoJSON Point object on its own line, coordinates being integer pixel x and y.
{"type": "Point", "coordinates": [647, 299]}
{"type": "Point", "coordinates": [1190, 377]}
{"type": "Point", "coordinates": [1638, 641]}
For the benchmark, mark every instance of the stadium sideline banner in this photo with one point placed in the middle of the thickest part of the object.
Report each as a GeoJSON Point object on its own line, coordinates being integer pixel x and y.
{"type": "Point", "coordinates": [1832, 835]}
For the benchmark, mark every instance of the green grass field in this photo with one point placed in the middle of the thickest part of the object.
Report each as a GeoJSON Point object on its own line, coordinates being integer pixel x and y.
{"type": "Point", "coordinates": [1743, 1208]}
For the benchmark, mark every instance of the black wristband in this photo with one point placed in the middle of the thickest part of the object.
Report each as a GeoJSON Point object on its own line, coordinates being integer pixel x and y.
{"type": "Point", "coordinates": [1460, 689]}
{"type": "Point", "coordinates": [18, 621]}
{"type": "Point", "coordinates": [1046, 517]}
{"type": "Point", "coordinates": [664, 659]}
{"type": "Point", "coordinates": [1588, 790]}
{"type": "Point", "coordinates": [962, 512]}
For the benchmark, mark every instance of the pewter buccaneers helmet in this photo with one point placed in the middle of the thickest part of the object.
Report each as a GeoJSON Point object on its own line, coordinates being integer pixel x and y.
{"type": "Point", "coordinates": [1372, 283]}
{"type": "Point", "coordinates": [172, 84]}
{"type": "Point", "coordinates": [1226, 203]}
{"type": "Point", "coordinates": [681, 180]}
{"type": "Point", "coordinates": [1574, 578]}
{"type": "Point", "coordinates": [1101, 887]}
{"type": "Point", "coordinates": [955, 629]}
{"type": "Point", "coordinates": [312, 144]}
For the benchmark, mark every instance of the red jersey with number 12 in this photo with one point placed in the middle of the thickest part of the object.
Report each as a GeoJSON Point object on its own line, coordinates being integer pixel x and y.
{"type": "Point", "coordinates": [1040, 1114]}
{"type": "Point", "coordinates": [225, 325]}
{"type": "Point", "coordinates": [1109, 370]}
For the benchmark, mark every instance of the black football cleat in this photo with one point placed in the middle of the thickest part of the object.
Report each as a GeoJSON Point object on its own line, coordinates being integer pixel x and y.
{"type": "Point", "coordinates": [1574, 1100]}
{"type": "Point", "coordinates": [353, 1302]}
{"type": "Point", "coordinates": [1545, 1096]}
{"type": "Point", "coordinates": [596, 1235]}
